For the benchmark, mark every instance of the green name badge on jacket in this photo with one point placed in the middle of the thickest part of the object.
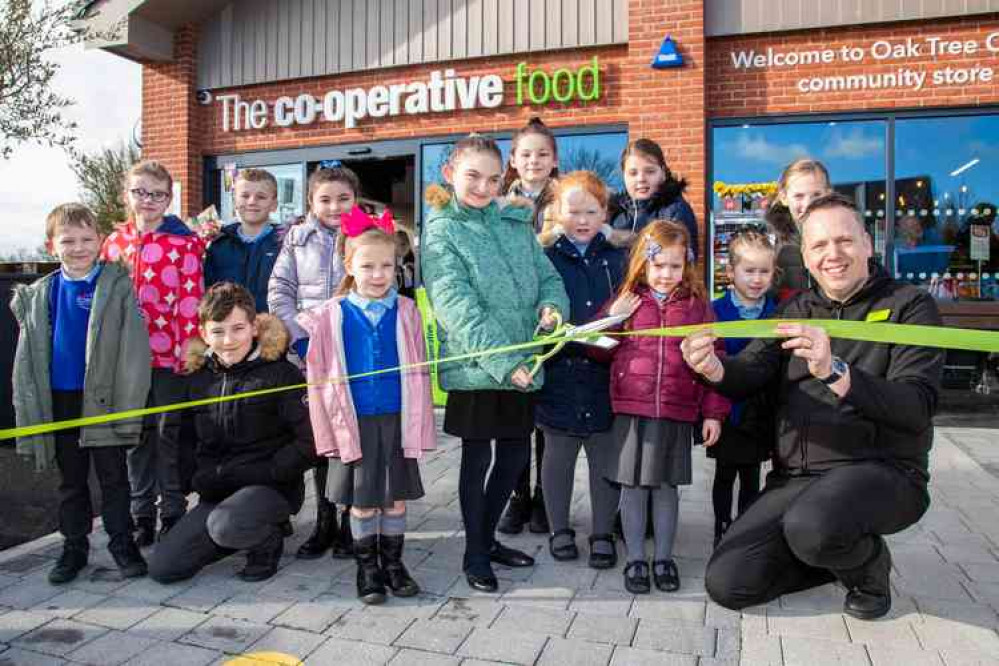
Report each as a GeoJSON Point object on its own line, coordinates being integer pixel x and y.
{"type": "Point", "coordinates": [878, 315]}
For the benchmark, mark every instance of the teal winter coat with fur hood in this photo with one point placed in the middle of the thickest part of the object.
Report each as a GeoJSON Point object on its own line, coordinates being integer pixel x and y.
{"type": "Point", "coordinates": [488, 280]}
{"type": "Point", "coordinates": [118, 363]}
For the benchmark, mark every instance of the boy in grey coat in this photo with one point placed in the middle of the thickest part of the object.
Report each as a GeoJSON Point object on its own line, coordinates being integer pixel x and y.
{"type": "Point", "coordinates": [83, 351]}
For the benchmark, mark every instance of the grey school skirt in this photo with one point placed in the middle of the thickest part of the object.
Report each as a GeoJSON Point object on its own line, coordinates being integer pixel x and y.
{"type": "Point", "coordinates": [650, 452]}
{"type": "Point", "coordinates": [382, 475]}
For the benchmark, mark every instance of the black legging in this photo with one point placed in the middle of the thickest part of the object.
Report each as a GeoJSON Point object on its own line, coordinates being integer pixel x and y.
{"type": "Point", "coordinates": [482, 500]}
{"type": "Point", "coordinates": [319, 478]}
{"type": "Point", "coordinates": [523, 488]}
{"type": "Point", "coordinates": [721, 491]}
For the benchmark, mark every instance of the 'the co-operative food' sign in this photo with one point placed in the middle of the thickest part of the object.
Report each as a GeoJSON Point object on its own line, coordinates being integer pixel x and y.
{"type": "Point", "coordinates": [442, 92]}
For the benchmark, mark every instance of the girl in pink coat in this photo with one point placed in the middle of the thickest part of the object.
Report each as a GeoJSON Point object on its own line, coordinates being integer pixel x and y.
{"type": "Point", "coordinates": [656, 399]}
{"type": "Point", "coordinates": [376, 426]}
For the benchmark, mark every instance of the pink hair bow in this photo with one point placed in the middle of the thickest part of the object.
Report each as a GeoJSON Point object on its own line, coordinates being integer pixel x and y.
{"type": "Point", "coordinates": [357, 222]}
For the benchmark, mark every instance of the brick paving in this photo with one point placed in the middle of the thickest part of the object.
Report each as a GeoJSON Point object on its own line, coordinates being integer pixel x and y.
{"type": "Point", "coordinates": [946, 610]}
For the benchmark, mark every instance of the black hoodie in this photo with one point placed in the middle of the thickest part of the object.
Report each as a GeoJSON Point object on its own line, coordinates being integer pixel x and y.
{"type": "Point", "coordinates": [887, 413]}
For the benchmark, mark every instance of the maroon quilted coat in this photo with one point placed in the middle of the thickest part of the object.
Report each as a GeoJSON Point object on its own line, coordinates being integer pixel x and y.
{"type": "Point", "coordinates": [648, 374]}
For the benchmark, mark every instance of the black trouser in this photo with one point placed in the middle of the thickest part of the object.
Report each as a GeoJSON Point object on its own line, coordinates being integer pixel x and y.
{"type": "Point", "coordinates": [154, 465]}
{"type": "Point", "coordinates": [482, 500]}
{"type": "Point", "coordinates": [721, 491]}
{"type": "Point", "coordinates": [76, 514]}
{"type": "Point", "coordinates": [803, 530]}
{"type": "Point", "coordinates": [523, 488]}
{"type": "Point", "coordinates": [244, 520]}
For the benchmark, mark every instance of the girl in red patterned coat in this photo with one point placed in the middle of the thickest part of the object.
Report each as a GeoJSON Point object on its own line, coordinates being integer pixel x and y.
{"type": "Point", "coordinates": [657, 399]}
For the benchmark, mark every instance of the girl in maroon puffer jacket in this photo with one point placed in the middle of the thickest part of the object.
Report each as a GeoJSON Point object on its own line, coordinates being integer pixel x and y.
{"type": "Point", "coordinates": [657, 399]}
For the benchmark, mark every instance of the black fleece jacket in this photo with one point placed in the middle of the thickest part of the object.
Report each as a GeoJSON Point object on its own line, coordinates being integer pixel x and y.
{"type": "Point", "coordinates": [887, 413]}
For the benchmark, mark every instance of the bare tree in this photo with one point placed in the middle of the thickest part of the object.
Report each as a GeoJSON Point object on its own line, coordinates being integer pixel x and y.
{"type": "Point", "coordinates": [100, 175]}
{"type": "Point", "coordinates": [29, 109]}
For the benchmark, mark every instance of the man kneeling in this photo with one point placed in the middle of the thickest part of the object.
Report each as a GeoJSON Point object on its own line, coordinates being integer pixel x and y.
{"type": "Point", "coordinates": [252, 452]}
{"type": "Point", "coordinates": [854, 424]}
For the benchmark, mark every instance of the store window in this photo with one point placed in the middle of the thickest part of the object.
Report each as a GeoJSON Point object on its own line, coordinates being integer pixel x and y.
{"type": "Point", "coordinates": [946, 233]}
{"type": "Point", "coordinates": [290, 188]}
{"type": "Point", "coordinates": [748, 159]}
{"type": "Point", "coordinates": [594, 152]}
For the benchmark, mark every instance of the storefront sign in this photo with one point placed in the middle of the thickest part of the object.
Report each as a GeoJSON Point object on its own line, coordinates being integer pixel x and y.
{"type": "Point", "coordinates": [668, 56]}
{"type": "Point", "coordinates": [442, 92]}
{"type": "Point", "coordinates": [928, 50]}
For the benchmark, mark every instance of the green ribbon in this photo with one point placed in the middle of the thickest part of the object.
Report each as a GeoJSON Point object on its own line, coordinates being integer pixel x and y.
{"type": "Point", "coordinates": [877, 332]}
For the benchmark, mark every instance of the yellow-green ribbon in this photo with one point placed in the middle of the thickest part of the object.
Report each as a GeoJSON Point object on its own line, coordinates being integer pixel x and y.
{"type": "Point", "coordinates": [877, 332]}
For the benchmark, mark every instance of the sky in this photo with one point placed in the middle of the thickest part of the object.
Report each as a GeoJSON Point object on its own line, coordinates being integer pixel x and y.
{"type": "Point", "coordinates": [35, 179]}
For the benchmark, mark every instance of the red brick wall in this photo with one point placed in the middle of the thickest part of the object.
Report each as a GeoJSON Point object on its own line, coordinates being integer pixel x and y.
{"type": "Point", "coordinates": [170, 123]}
{"type": "Point", "coordinates": [732, 92]}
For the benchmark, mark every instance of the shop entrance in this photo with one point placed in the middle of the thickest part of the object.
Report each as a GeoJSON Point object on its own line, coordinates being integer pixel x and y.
{"type": "Point", "coordinates": [388, 182]}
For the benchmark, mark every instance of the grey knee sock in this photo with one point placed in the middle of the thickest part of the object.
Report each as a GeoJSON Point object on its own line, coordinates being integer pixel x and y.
{"type": "Point", "coordinates": [665, 514]}
{"type": "Point", "coordinates": [364, 527]}
{"type": "Point", "coordinates": [393, 525]}
{"type": "Point", "coordinates": [557, 472]}
{"type": "Point", "coordinates": [633, 516]}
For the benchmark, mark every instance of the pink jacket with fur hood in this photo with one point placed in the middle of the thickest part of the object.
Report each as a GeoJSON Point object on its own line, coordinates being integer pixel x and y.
{"type": "Point", "coordinates": [331, 408]}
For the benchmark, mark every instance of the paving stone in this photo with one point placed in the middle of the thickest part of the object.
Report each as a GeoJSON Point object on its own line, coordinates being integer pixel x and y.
{"type": "Point", "coordinates": [942, 633]}
{"type": "Point", "coordinates": [27, 594]}
{"type": "Point", "coordinates": [603, 629]}
{"type": "Point", "coordinates": [18, 657]}
{"type": "Point", "coordinates": [439, 635]}
{"type": "Point", "coordinates": [718, 616]}
{"type": "Point", "coordinates": [818, 652]}
{"type": "Point", "coordinates": [959, 657]}
{"type": "Point", "coordinates": [17, 623]}
{"type": "Point", "coordinates": [114, 647]}
{"type": "Point", "coordinates": [163, 654]}
{"type": "Point", "coordinates": [896, 633]}
{"type": "Point", "coordinates": [982, 573]}
{"type": "Point", "coordinates": [368, 627]}
{"type": "Point", "coordinates": [417, 658]}
{"type": "Point", "coordinates": [225, 634]}
{"type": "Point", "coordinates": [558, 652]}
{"type": "Point", "coordinates": [827, 598]}
{"type": "Point", "coordinates": [614, 603]}
{"type": "Point", "coordinates": [479, 611]}
{"type": "Point", "coordinates": [68, 604]}
{"type": "Point", "coordinates": [117, 613]}
{"type": "Point", "coordinates": [423, 606]}
{"type": "Point", "coordinates": [728, 644]}
{"type": "Point", "coordinates": [967, 554]}
{"type": "Point", "coordinates": [252, 608]}
{"type": "Point", "coordinates": [288, 641]}
{"type": "Point", "coordinates": [59, 637]}
{"type": "Point", "coordinates": [658, 607]}
{"type": "Point", "coordinates": [295, 587]}
{"type": "Point", "coordinates": [506, 646]}
{"type": "Point", "coordinates": [24, 564]}
{"type": "Point", "coordinates": [526, 619]}
{"type": "Point", "coordinates": [356, 653]}
{"type": "Point", "coordinates": [625, 656]}
{"type": "Point", "coordinates": [316, 615]}
{"type": "Point", "coordinates": [892, 655]}
{"type": "Point", "coordinates": [679, 637]}
{"type": "Point", "coordinates": [786, 622]}
{"type": "Point", "coordinates": [203, 597]}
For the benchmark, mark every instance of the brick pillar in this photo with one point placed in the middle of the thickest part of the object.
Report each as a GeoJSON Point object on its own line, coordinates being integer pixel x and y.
{"type": "Point", "coordinates": [170, 128]}
{"type": "Point", "coordinates": [668, 105]}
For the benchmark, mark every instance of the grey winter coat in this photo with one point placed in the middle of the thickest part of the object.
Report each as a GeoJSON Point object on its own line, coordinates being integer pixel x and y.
{"type": "Point", "coordinates": [306, 274]}
{"type": "Point", "coordinates": [118, 363]}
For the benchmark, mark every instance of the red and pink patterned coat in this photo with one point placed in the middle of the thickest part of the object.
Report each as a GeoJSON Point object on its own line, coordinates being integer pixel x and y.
{"type": "Point", "coordinates": [166, 270]}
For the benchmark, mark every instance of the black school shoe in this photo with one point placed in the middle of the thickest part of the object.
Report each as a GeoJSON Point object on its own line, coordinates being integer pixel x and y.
{"type": "Point", "coordinates": [869, 595]}
{"type": "Point", "coordinates": [538, 523]}
{"type": "Point", "coordinates": [665, 575]}
{"type": "Point", "coordinates": [636, 577]}
{"type": "Point", "coordinates": [71, 562]}
{"type": "Point", "coordinates": [603, 560]}
{"type": "Point", "coordinates": [127, 556]}
{"type": "Point", "coordinates": [509, 557]}
{"type": "Point", "coordinates": [262, 562]}
{"type": "Point", "coordinates": [567, 550]}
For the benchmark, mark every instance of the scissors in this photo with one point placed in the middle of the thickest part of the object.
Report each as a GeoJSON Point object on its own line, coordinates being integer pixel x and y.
{"type": "Point", "coordinates": [564, 333]}
{"type": "Point", "coordinates": [560, 331]}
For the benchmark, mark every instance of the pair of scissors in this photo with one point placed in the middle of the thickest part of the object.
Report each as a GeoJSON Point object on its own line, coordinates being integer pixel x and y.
{"type": "Point", "coordinates": [584, 333]}
{"type": "Point", "coordinates": [558, 337]}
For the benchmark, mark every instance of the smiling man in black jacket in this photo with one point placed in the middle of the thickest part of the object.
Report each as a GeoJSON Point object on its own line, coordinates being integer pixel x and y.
{"type": "Point", "coordinates": [252, 452]}
{"type": "Point", "coordinates": [854, 424]}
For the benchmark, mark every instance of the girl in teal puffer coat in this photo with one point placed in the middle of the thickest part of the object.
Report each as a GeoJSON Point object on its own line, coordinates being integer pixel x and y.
{"type": "Point", "coordinates": [491, 285]}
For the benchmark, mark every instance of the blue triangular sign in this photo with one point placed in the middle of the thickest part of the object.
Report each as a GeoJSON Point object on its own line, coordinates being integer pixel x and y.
{"type": "Point", "coordinates": [668, 56]}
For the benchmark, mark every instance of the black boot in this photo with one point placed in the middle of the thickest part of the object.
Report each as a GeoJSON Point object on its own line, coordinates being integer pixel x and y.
{"type": "Point", "coordinates": [126, 555]}
{"type": "Point", "coordinates": [323, 534]}
{"type": "Point", "coordinates": [721, 526]}
{"type": "Point", "coordinates": [342, 547]}
{"type": "Point", "coordinates": [145, 532]}
{"type": "Point", "coordinates": [539, 517]}
{"type": "Point", "coordinates": [517, 514]}
{"type": "Point", "coordinates": [869, 588]}
{"type": "Point", "coordinates": [370, 586]}
{"type": "Point", "coordinates": [262, 562]}
{"type": "Point", "coordinates": [73, 559]}
{"type": "Point", "coordinates": [166, 524]}
{"type": "Point", "coordinates": [396, 575]}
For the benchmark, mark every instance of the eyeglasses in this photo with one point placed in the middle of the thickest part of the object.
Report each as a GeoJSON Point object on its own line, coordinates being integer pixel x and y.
{"type": "Point", "coordinates": [156, 197]}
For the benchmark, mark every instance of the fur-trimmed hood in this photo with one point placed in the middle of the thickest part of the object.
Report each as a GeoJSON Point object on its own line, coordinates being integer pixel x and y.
{"type": "Point", "coordinates": [271, 344]}
{"type": "Point", "coordinates": [669, 191]}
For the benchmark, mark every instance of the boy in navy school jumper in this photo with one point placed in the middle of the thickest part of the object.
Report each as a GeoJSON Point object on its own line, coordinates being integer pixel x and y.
{"type": "Point", "coordinates": [245, 251]}
{"type": "Point", "coordinates": [83, 351]}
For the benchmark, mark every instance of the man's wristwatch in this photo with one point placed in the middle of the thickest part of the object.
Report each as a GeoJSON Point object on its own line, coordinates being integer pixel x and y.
{"type": "Point", "coordinates": [839, 368]}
